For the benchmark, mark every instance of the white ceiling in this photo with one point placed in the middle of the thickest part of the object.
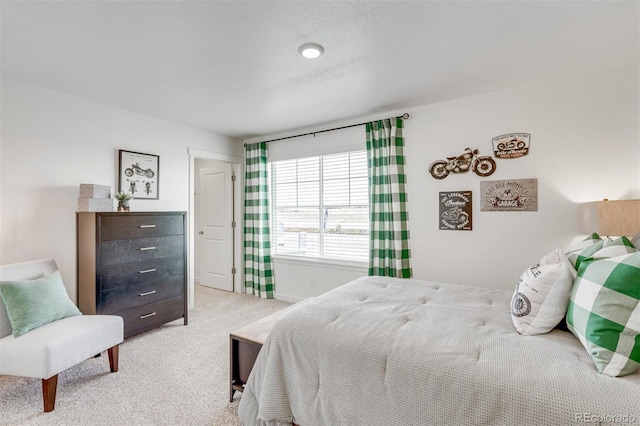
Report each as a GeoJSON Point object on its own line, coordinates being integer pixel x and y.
{"type": "Point", "coordinates": [233, 67]}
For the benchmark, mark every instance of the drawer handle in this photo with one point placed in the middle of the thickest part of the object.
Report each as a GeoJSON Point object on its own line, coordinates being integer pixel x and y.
{"type": "Point", "coordinates": [147, 226]}
{"type": "Point", "coordinates": [146, 271]}
{"type": "Point", "coordinates": [148, 293]}
{"type": "Point", "coordinates": [147, 315]}
{"type": "Point", "coordinates": [147, 248]}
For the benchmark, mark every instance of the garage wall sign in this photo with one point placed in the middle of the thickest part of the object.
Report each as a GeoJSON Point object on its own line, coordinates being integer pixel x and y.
{"type": "Point", "coordinates": [512, 145]}
{"type": "Point", "coordinates": [509, 195]}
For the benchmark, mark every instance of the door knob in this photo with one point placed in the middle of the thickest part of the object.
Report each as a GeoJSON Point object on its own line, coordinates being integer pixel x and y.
{"type": "Point", "coordinates": [201, 232]}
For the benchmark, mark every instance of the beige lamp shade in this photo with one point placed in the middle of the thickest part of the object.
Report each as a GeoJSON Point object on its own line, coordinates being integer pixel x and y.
{"type": "Point", "coordinates": [618, 217]}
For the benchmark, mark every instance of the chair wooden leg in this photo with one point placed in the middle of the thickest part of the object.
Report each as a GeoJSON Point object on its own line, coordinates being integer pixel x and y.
{"type": "Point", "coordinates": [49, 387]}
{"type": "Point", "coordinates": [113, 357]}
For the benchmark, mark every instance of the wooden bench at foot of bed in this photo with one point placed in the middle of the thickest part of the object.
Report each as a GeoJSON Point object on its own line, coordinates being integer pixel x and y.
{"type": "Point", "coordinates": [245, 344]}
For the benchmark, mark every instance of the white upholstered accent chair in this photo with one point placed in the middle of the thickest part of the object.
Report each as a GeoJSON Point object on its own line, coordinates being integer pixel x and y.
{"type": "Point", "coordinates": [51, 348]}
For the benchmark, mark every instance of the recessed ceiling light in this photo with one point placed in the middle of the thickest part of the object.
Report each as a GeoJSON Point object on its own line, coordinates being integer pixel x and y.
{"type": "Point", "coordinates": [311, 50]}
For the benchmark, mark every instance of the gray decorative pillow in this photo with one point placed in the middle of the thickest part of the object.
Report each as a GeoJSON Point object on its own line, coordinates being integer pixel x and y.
{"type": "Point", "coordinates": [31, 304]}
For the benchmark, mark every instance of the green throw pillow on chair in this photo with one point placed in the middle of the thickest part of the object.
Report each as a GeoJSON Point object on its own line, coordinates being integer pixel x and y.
{"type": "Point", "coordinates": [31, 304]}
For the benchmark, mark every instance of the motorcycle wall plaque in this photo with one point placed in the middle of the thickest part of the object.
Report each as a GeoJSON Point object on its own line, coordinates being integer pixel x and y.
{"type": "Point", "coordinates": [455, 211]}
{"type": "Point", "coordinates": [512, 145]}
{"type": "Point", "coordinates": [482, 166]}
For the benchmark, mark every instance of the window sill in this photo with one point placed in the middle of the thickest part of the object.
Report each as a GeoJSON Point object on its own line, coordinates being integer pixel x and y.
{"type": "Point", "coordinates": [351, 265]}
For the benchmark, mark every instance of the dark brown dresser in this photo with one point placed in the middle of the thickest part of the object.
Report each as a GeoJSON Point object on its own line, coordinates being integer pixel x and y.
{"type": "Point", "coordinates": [133, 265]}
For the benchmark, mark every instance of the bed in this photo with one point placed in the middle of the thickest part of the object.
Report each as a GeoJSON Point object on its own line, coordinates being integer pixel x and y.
{"type": "Point", "coordinates": [385, 351]}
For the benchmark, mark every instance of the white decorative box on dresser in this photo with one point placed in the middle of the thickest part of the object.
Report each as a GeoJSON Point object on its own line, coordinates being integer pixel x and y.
{"type": "Point", "coordinates": [133, 265]}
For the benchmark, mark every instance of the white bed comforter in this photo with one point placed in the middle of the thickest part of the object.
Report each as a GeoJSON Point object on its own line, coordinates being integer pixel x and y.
{"type": "Point", "coordinates": [384, 351]}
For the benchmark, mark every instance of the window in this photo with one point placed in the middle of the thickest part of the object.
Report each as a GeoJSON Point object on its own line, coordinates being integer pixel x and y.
{"type": "Point", "coordinates": [320, 206]}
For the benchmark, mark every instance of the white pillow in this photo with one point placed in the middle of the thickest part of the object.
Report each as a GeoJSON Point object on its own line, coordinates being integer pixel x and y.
{"type": "Point", "coordinates": [542, 295]}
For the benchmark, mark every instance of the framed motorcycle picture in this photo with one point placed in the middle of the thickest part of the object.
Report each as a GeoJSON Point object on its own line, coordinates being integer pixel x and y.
{"type": "Point", "coordinates": [138, 174]}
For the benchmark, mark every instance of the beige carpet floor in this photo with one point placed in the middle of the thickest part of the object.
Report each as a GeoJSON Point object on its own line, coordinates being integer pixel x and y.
{"type": "Point", "coordinates": [172, 375]}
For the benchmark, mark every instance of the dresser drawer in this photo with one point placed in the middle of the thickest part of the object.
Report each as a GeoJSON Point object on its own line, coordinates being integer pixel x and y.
{"type": "Point", "coordinates": [145, 317]}
{"type": "Point", "coordinates": [146, 271]}
{"type": "Point", "coordinates": [139, 226]}
{"type": "Point", "coordinates": [121, 290]}
{"type": "Point", "coordinates": [138, 294]}
{"type": "Point", "coordinates": [124, 251]}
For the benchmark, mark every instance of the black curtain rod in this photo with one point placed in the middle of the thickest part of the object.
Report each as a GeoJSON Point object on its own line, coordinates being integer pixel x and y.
{"type": "Point", "coordinates": [403, 116]}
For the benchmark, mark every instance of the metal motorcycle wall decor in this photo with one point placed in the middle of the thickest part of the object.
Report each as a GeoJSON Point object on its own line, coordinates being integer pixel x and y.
{"type": "Point", "coordinates": [482, 166]}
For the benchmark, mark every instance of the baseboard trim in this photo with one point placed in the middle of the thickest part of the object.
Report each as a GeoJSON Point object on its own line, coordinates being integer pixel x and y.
{"type": "Point", "coordinates": [287, 297]}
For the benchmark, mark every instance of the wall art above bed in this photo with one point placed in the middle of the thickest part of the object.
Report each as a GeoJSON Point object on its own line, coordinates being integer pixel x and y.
{"type": "Point", "coordinates": [520, 195]}
{"type": "Point", "coordinates": [470, 159]}
{"type": "Point", "coordinates": [455, 211]}
{"type": "Point", "coordinates": [511, 145]}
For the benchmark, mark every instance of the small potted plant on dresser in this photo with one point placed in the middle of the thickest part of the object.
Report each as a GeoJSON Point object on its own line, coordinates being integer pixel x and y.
{"type": "Point", "coordinates": [123, 201]}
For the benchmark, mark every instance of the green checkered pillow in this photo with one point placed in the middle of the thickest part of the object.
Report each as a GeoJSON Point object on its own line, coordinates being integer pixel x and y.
{"type": "Point", "coordinates": [584, 249]}
{"type": "Point", "coordinates": [604, 312]}
{"type": "Point", "coordinates": [613, 248]}
{"type": "Point", "coordinates": [596, 248]}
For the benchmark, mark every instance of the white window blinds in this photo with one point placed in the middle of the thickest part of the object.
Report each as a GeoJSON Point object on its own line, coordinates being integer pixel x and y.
{"type": "Point", "coordinates": [320, 206]}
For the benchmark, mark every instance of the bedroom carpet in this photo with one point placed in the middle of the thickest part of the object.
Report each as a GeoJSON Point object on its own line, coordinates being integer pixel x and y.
{"type": "Point", "coordinates": [172, 375]}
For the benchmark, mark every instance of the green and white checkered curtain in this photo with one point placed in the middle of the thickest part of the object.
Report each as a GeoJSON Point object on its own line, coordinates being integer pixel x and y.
{"type": "Point", "coordinates": [258, 270]}
{"type": "Point", "coordinates": [389, 253]}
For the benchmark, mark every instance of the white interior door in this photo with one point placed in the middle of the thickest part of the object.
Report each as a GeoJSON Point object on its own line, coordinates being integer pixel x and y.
{"type": "Point", "coordinates": [216, 217]}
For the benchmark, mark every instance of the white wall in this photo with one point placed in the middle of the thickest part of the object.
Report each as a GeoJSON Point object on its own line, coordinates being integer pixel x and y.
{"type": "Point", "coordinates": [52, 142]}
{"type": "Point", "coordinates": [584, 147]}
